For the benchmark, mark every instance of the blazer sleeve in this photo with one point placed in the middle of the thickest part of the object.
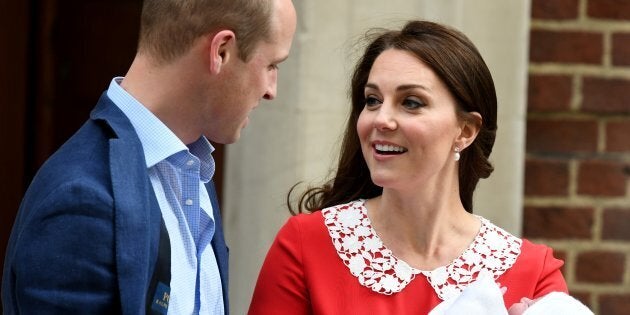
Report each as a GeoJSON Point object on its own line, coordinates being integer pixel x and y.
{"type": "Point", "coordinates": [281, 286]}
{"type": "Point", "coordinates": [61, 254]}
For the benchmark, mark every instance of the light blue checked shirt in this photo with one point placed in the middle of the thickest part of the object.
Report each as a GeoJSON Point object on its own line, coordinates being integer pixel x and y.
{"type": "Point", "coordinates": [178, 174]}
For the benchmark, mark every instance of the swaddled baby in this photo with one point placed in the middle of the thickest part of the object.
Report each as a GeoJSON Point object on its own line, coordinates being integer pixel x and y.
{"type": "Point", "coordinates": [557, 303]}
{"type": "Point", "coordinates": [485, 297]}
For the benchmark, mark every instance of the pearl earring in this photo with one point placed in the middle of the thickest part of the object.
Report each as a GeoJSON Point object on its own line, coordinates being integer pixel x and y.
{"type": "Point", "coordinates": [457, 155]}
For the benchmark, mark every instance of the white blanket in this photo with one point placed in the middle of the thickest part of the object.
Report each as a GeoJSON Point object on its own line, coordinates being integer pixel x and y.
{"type": "Point", "coordinates": [484, 297]}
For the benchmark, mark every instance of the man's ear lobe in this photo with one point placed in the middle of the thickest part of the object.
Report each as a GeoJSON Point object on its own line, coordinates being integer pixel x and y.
{"type": "Point", "coordinates": [222, 49]}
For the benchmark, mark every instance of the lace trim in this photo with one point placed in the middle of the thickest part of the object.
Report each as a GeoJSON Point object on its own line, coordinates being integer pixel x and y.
{"type": "Point", "coordinates": [492, 252]}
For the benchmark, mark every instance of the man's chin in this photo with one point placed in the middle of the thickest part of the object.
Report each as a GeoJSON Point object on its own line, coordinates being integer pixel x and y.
{"type": "Point", "coordinates": [226, 139]}
{"type": "Point", "coordinates": [235, 137]}
{"type": "Point", "coordinates": [232, 139]}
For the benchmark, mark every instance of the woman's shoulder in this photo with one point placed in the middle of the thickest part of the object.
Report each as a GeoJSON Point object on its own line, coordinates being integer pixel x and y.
{"type": "Point", "coordinates": [305, 224]}
{"type": "Point", "coordinates": [306, 219]}
{"type": "Point", "coordinates": [532, 252]}
{"type": "Point", "coordinates": [536, 249]}
{"type": "Point", "coordinates": [537, 260]}
{"type": "Point", "coordinates": [535, 271]}
{"type": "Point", "coordinates": [335, 213]}
{"type": "Point", "coordinates": [539, 255]}
{"type": "Point", "coordinates": [528, 246]}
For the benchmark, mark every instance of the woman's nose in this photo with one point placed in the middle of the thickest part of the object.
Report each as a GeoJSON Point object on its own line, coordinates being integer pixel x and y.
{"type": "Point", "coordinates": [385, 118]}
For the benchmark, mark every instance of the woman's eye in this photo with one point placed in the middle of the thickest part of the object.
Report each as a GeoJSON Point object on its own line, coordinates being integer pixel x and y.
{"type": "Point", "coordinates": [371, 101]}
{"type": "Point", "coordinates": [412, 103]}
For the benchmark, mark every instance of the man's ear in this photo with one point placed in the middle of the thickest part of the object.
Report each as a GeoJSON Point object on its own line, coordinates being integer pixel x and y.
{"type": "Point", "coordinates": [222, 48]}
{"type": "Point", "coordinates": [470, 129]}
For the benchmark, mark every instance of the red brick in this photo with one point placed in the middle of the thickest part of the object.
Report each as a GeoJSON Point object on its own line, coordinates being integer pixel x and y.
{"type": "Point", "coordinates": [616, 224]}
{"type": "Point", "coordinates": [555, 10]}
{"type": "Point", "coordinates": [558, 223]}
{"type": "Point", "coordinates": [618, 136]}
{"type": "Point", "coordinates": [614, 304]}
{"type": "Point", "coordinates": [606, 95]}
{"type": "Point", "coordinates": [562, 255]}
{"type": "Point", "coordinates": [621, 49]}
{"type": "Point", "coordinates": [566, 47]}
{"type": "Point", "coordinates": [602, 178]}
{"type": "Point", "coordinates": [609, 9]}
{"type": "Point", "coordinates": [549, 92]}
{"type": "Point", "coordinates": [546, 178]}
{"type": "Point", "coordinates": [584, 297]}
{"type": "Point", "coordinates": [600, 267]}
{"type": "Point", "coordinates": [550, 135]}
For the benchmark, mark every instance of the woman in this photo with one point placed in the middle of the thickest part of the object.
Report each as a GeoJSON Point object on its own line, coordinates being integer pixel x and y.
{"type": "Point", "coordinates": [396, 233]}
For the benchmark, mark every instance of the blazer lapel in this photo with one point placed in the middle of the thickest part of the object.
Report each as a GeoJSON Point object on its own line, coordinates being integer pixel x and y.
{"type": "Point", "coordinates": [137, 215]}
{"type": "Point", "coordinates": [218, 243]}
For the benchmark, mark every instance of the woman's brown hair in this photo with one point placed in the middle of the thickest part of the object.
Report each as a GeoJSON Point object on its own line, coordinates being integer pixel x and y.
{"type": "Point", "coordinates": [456, 61]}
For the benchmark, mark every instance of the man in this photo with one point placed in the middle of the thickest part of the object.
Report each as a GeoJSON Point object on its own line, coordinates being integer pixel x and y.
{"type": "Point", "coordinates": [123, 218]}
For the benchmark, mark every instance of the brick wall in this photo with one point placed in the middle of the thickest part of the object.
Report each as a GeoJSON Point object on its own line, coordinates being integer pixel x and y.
{"type": "Point", "coordinates": [577, 192]}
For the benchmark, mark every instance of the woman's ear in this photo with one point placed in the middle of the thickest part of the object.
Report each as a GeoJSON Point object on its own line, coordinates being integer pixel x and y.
{"type": "Point", "coordinates": [469, 129]}
{"type": "Point", "coordinates": [222, 48]}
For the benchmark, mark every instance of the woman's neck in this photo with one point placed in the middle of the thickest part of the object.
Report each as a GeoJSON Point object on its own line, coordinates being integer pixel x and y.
{"type": "Point", "coordinates": [424, 232]}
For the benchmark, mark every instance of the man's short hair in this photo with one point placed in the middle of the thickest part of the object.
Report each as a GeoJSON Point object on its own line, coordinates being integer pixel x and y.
{"type": "Point", "coordinates": [168, 28]}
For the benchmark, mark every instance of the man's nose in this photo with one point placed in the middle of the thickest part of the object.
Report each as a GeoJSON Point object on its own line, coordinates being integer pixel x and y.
{"type": "Point", "coordinates": [270, 94]}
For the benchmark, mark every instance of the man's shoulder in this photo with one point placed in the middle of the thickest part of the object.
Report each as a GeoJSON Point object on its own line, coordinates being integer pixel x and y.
{"type": "Point", "coordinates": [86, 157]}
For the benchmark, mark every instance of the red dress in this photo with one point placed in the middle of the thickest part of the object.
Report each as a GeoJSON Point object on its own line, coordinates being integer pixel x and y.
{"type": "Point", "coordinates": [332, 262]}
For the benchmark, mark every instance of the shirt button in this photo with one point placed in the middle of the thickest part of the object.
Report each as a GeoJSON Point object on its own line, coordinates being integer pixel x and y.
{"type": "Point", "coordinates": [190, 162]}
{"type": "Point", "coordinates": [189, 202]}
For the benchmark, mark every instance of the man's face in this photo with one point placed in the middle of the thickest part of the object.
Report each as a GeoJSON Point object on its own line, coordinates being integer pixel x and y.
{"type": "Point", "coordinates": [249, 82]}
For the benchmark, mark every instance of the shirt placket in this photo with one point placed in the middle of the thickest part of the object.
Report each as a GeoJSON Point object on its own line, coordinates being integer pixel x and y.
{"type": "Point", "coordinates": [190, 195]}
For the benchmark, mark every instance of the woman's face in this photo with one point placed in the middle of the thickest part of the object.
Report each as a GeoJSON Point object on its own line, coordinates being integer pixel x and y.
{"type": "Point", "coordinates": [408, 127]}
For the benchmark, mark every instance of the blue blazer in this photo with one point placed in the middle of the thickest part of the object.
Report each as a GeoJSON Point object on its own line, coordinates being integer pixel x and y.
{"type": "Point", "coordinates": [86, 236]}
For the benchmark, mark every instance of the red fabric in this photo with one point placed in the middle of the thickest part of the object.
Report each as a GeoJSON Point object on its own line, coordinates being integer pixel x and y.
{"type": "Point", "coordinates": [302, 274]}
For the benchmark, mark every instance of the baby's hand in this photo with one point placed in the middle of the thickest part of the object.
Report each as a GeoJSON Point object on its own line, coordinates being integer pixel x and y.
{"type": "Point", "coordinates": [520, 307]}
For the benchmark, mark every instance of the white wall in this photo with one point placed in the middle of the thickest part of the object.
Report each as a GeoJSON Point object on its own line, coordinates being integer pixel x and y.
{"type": "Point", "coordinates": [295, 137]}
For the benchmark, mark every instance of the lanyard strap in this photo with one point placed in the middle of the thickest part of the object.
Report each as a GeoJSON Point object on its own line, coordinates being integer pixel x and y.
{"type": "Point", "coordinates": [159, 289]}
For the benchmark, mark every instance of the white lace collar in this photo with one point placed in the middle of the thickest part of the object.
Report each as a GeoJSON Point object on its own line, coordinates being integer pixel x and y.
{"type": "Point", "coordinates": [492, 252]}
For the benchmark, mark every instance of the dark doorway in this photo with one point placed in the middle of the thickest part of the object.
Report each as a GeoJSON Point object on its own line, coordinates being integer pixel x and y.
{"type": "Point", "coordinates": [57, 57]}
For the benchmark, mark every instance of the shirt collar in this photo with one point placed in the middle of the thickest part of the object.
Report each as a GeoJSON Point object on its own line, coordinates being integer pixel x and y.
{"type": "Point", "coordinates": [202, 149]}
{"type": "Point", "coordinates": [158, 141]}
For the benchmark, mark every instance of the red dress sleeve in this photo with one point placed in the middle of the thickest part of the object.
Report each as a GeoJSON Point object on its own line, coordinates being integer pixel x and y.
{"type": "Point", "coordinates": [281, 286]}
{"type": "Point", "coordinates": [535, 273]}
{"type": "Point", "coordinates": [551, 279]}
